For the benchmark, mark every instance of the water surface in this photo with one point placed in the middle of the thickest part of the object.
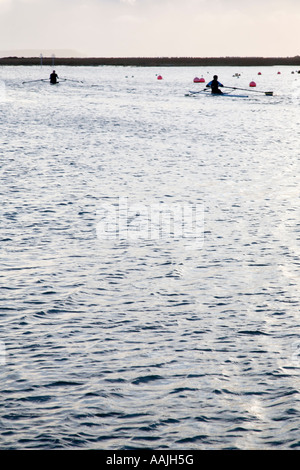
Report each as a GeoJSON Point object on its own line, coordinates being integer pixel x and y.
{"type": "Point", "coordinates": [118, 330]}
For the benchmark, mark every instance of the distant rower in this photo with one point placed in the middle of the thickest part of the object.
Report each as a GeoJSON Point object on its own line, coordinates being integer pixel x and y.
{"type": "Point", "coordinates": [53, 77]}
{"type": "Point", "coordinates": [214, 85]}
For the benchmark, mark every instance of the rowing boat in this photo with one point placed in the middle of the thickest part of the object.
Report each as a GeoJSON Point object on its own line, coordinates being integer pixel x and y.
{"type": "Point", "coordinates": [227, 94]}
{"type": "Point", "coordinates": [216, 94]}
{"type": "Point", "coordinates": [230, 93]}
{"type": "Point", "coordinates": [53, 83]}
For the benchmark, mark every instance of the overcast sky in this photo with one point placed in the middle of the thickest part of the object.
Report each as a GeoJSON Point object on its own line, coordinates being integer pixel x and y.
{"type": "Point", "coordinates": [118, 28]}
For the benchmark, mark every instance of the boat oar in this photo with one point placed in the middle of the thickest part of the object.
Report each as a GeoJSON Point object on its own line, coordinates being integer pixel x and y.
{"type": "Point", "coordinates": [268, 93]}
{"type": "Point", "coordinates": [40, 80]}
{"type": "Point", "coordinates": [191, 92]}
{"type": "Point", "coordinates": [70, 80]}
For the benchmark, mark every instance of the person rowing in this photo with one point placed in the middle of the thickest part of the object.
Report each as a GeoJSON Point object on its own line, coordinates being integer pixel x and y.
{"type": "Point", "coordinates": [214, 85]}
{"type": "Point", "coordinates": [53, 77]}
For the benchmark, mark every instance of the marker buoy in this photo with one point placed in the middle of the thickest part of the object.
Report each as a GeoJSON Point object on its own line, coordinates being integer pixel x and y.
{"type": "Point", "coordinates": [199, 80]}
{"type": "Point", "coordinates": [259, 73]}
{"type": "Point", "coordinates": [252, 84]}
{"type": "Point", "coordinates": [159, 77]}
{"type": "Point", "coordinates": [278, 73]}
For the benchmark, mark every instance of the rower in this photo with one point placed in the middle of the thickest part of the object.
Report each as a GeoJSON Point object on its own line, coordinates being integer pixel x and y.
{"type": "Point", "coordinates": [214, 85]}
{"type": "Point", "coordinates": [53, 77]}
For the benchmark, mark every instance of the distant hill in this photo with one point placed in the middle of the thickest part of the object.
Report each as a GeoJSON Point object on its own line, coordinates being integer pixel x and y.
{"type": "Point", "coordinates": [38, 52]}
{"type": "Point", "coordinates": [149, 61]}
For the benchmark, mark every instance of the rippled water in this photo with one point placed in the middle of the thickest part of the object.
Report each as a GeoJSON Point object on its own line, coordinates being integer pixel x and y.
{"type": "Point", "coordinates": [120, 329]}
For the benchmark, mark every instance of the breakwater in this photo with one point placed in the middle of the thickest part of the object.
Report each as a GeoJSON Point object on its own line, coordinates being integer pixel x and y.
{"type": "Point", "coordinates": [154, 61]}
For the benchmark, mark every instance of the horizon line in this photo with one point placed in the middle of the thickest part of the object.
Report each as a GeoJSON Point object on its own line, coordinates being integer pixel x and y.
{"type": "Point", "coordinates": [166, 61]}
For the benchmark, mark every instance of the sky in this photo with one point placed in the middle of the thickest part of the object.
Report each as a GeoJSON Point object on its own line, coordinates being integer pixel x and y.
{"type": "Point", "coordinates": [152, 28]}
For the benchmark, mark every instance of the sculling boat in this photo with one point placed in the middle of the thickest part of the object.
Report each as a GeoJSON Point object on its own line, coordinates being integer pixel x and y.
{"type": "Point", "coordinates": [53, 83]}
{"type": "Point", "coordinates": [227, 94]}
{"type": "Point", "coordinates": [208, 93]}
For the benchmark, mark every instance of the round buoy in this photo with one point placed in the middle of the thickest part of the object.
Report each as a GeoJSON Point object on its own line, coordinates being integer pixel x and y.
{"type": "Point", "coordinates": [159, 77]}
{"type": "Point", "coordinates": [252, 84]}
{"type": "Point", "coordinates": [202, 80]}
{"type": "Point", "coordinates": [278, 73]}
{"type": "Point", "coordinates": [259, 73]}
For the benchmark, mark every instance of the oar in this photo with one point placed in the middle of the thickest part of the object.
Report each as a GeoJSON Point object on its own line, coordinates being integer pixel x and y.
{"type": "Point", "coordinates": [40, 80]}
{"type": "Point", "coordinates": [70, 80]}
{"type": "Point", "coordinates": [191, 92]}
{"type": "Point", "coordinates": [268, 93]}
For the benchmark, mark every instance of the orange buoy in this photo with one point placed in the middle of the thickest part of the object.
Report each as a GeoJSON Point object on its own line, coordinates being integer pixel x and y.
{"type": "Point", "coordinates": [252, 84]}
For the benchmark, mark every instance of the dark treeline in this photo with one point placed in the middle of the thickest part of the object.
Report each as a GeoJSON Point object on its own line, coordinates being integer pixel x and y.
{"type": "Point", "coordinates": [154, 61]}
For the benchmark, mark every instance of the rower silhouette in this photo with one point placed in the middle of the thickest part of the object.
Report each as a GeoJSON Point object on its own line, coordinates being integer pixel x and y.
{"type": "Point", "coordinates": [53, 77]}
{"type": "Point", "coordinates": [214, 85]}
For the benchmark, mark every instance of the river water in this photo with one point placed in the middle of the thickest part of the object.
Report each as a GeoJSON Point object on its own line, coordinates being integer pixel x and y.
{"type": "Point", "coordinates": [149, 260]}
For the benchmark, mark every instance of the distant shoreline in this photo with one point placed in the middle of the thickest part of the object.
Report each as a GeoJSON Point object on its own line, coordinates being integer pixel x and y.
{"type": "Point", "coordinates": [153, 61]}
